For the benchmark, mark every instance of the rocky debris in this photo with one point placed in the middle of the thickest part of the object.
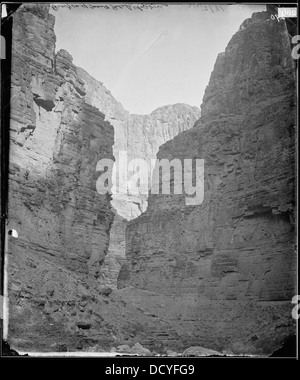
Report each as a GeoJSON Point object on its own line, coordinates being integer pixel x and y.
{"type": "Point", "coordinates": [124, 348]}
{"type": "Point", "coordinates": [83, 325]}
{"type": "Point", "coordinates": [172, 353]}
{"type": "Point", "coordinates": [105, 291]}
{"type": "Point", "coordinates": [96, 348]}
{"type": "Point", "coordinates": [139, 350]}
{"type": "Point", "coordinates": [226, 267]}
{"type": "Point", "coordinates": [50, 300]}
{"type": "Point", "coordinates": [60, 347]}
{"type": "Point", "coordinates": [200, 351]}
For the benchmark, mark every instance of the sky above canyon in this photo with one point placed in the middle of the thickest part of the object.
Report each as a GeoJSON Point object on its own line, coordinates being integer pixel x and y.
{"type": "Point", "coordinates": [149, 57]}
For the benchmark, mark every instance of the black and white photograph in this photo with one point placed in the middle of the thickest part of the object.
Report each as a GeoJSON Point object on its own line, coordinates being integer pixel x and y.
{"type": "Point", "coordinates": [148, 181]}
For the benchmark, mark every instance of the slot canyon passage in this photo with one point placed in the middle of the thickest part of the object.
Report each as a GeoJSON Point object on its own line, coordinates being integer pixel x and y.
{"type": "Point", "coordinates": [102, 272]}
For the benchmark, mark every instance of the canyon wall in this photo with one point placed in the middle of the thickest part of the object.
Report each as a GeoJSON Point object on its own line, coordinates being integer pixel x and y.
{"type": "Point", "coordinates": [56, 140]}
{"type": "Point", "coordinates": [63, 224]}
{"type": "Point", "coordinates": [220, 274]}
{"type": "Point", "coordinates": [138, 137]}
{"type": "Point", "coordinates": [223, 272]}
{"type": "Point", "coordinates": [70, 245]}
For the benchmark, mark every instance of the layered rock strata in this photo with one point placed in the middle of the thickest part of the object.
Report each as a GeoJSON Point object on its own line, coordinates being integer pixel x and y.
{"type": "Point", "coordinates": [63, 224]}
{"type": "Point", "coordinates": [56, 141]}
{"type": "Point", "coordinates": [220, 274]}
{"type": "Point", "coordinates": [138, 137]}
{"type": "Point", "coordinates": [59, 287]}
{"type": "Point", "coordinates": [227, 266]}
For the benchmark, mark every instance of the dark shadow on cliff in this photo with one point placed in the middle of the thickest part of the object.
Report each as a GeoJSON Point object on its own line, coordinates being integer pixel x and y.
{"type": "Point", "coordinates": [7, 350]}
{"type": "Point", "coordinates": [288, 349]}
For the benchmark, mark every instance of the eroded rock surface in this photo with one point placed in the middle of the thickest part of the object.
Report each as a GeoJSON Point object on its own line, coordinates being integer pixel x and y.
{"type": "Point", "coordinates": [56, 141]}
{"type": "Point", "coordinates": [138, 137]}
{"type": "Point", "coordinates": [218, 275]}
{"type": "Point", "coordinates": [226, 268]}
{"type": "Point", "coordinates": [63, 224]}
{"type": "Point", "coordinates": [62, 123]}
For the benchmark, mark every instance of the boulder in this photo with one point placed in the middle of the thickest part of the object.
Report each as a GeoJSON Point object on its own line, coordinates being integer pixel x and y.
{"type": "Point", "coordinates": [124, 348]}
{"type": "Point", "coordinates": [139, 350]}
{"type": "Point", "coordinates": [200, 351]}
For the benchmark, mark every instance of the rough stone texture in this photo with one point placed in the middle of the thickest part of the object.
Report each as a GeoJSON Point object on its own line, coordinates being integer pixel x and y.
{"type": "Point", "coordinates": [59, 289]}
{"type": "Point", "coordinates": [219, 275]}
{"type": "Point", "coordinates": [139, 350]}
{"type": "Point", "coordinates": [222, 273]}
{"type": "Point", "coordinates": [140, 136]}
{"type": "Point", "coordinates": [144, 135]}
{"type": "Point", "coordinates": [200, 351]}
{"type": "Point", "coordinates": [56, 140]}
{"type": "Point", "coordinates": [115, 257]}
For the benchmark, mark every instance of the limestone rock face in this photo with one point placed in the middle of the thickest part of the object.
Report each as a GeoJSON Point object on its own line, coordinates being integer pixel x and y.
{"type": "Point", "coordinates": [138, 137]}
{"type": "Point", "coordinates": [220, 274]}
{"type": "Point", "coordinates": [62, 123]}
{"type": "Point", "coordinates": [228, 264]}
{"type": "Point", "coordinates": [56, 141]}
{"type": "Point", "coordinates": [63, 224]}
{"type": "Point", "coordinates": [115, 257]}
{"type": "Point", "coordinates": [145, 133]}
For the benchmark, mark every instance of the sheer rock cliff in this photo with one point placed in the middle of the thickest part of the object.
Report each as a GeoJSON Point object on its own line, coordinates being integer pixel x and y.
{"type": "Point", "coordinates": [218, 274]}
{"type": "Point", "coordinates": [136, 137]}
{"type": "Point", "coordinates": [223, 272]}
{"type": "Point", "coordinates": [64, 264]}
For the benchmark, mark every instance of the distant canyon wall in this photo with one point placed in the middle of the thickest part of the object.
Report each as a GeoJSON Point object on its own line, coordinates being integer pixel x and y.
{"type": "Point", "coordinates": [138, 137]}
